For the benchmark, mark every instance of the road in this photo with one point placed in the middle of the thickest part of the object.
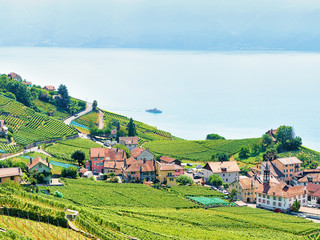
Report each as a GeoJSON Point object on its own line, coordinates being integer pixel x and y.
{"type": "Point", "coordinates": [34, 149]}
{"type": "Point", "coordinates": [101, 122]}
{"type": "Point", "coordinates": [72, 118]}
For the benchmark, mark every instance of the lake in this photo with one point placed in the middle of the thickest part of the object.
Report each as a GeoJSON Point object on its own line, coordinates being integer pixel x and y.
{"type": "Point", "coordinates": [234, 94]}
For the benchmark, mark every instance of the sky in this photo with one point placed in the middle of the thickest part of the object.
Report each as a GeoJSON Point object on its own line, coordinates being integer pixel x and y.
{"type": "Point", "coordinates": [165, 24]}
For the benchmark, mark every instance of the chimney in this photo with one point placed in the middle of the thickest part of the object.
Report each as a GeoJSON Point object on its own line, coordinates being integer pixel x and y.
{"type": "Point", "coordinates": [144, 160]}
{"type": "Point", "coordinates": [47, 159]}
{"type": "Point", "coordinates": [274, 192]}
{"type": "Point", "coordinates": [31, 160]}
{"type": "Point", "coordinates": [125, 163]}
{"type": "Point", "coordinates": [251, 183]}
{"type": "Point", "coordinates": [305, 189]}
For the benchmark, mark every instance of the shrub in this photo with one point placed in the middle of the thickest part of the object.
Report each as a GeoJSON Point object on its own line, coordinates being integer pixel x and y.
{"type": "Point", "coordinates": [58, 194]}
{"type": "Point", "coordinates": [70, 172]}
{"type": "Point", "coordinates": [214, 136]}
{"type": "Point", "coordinates": [184, 180]}
{"type": "Point", "coordinates": [215, 180]}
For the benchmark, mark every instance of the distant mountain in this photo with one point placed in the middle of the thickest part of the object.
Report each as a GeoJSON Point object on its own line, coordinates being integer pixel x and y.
{"type": "Point", "coordinates": [194, 25]}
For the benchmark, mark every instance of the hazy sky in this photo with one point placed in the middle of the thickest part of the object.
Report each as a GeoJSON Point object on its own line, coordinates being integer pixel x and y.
{"type": "Point", "coordinates": [198, 24]}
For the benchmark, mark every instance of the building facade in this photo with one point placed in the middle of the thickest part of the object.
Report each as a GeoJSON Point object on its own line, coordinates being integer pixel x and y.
{"type": "Point", "coordinates": [229, 171]}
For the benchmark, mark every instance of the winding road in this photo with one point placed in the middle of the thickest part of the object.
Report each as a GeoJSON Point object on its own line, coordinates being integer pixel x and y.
{"type": "Point", "coordinates": [70, 119]}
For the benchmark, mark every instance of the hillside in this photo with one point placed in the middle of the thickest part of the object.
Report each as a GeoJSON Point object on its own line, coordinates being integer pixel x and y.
{"type": "Point", "coordinates": [29, 126]}
{"type": "Point", "coordinates": [197, 150]}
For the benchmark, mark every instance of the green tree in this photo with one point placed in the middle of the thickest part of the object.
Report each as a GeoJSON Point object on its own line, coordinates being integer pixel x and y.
{"type": "Point", "coordinates": [225, 185]}
{"type": "Point", "coordinates": [244, 152]}
{"type": "Point", "coordinates": [232, 195]}
{"type": "Point", "coordinates": [70, 172]}
{"type": "Point", "coordinates": [215, 180]}
{"type": "Point", "coordinates": [221, 157]}
{"type": "Point", "coordinates": [255, 149]}
{"type": "Point", "coordinates": [285, 135]}
{"type": "Point", "coordinates": [270, 154]}
{"type": "Point", "coordinates": [95, 105]}
{"type": "Point", "coordinates": [21, 92]}
{"type": "Point", "coordinates": [295, 206]}
{"type": "Point", "coordinates": [266, 141]}
{"type": "Point", "coordinates": [131, 127]}
{"type": "Point", "coordinates": [184, 180]}
{"type": "Point", "coordinates": [79, 156]}
{"type": "Point", "coordinates": [64, 100]}
{"type": "Point", "coordinates": [214, 136]}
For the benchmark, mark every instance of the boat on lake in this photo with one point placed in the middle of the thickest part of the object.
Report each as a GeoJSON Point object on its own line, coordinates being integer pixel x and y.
{"type": "Point", "coordinates": [154, 110]}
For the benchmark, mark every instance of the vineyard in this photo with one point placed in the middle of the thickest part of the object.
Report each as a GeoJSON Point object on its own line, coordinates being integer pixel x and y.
{"type": "Point", "coordinates": [30, 126]}
{"type": "Point", "coordinates": [197, 150]}
{"type": "Point", "coordinates": [64, 149]}
{"type": "Point", "coordinates": [89, 120]}
{"type": "Point", "coordinates": [5, 148]}
{"type": "Point", "coordinates": [195, 191]}
{"type": "Point", "coordinates": [147, 213]}
{"type": "Point", "coordinates": [145, 132]}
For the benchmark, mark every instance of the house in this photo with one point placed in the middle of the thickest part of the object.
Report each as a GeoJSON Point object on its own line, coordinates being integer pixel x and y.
{"type": "Point", "coordinates": [167, 173]}
{"type": "Point", "coordinates": [306, 176]}
{"type": "Point", "coordinates": [39, 165]}
{"type": "Point", "coordinates": [129, 142]}
{"type": "Point", "coordinates": [14, 76]}
{"type": "Point", "coordinates": [140, 171]}
{"type": "Point", "coordinates": [99, 155]}
{"type": "Point", "coordinates": [13, 174]}
{"type": "Point", "coordinates": [229, 171]}
{"type": "Point", "coordinates": [274, 171]}
{"type": "Point", "coordinates": [3, 129]}
{"type": "Point", "coordinates": [142, 154]}
{"type": "Point", "coordinates": [113, 166]}
{"type": "Point", "coordinates": [288, 166]}
{"type": "Point", "coordinates": [245, 188]}
{"type": "Point", "coordinates": [29, 84]}
{"type": "Point", "coordinates": [272, 134]}
{"type": "Point", "coordinates": [82, 171]}
{"type": "Point", "coordinates": [165, 159]}
{"type": "Point", "coordinates": [271, 195]}
{"type": "Point", "coordinates": [49, 88]}
{"type": "Point", "coordinates": [313, 191]}
{"type": "Point", "coordinates": [113, 133]}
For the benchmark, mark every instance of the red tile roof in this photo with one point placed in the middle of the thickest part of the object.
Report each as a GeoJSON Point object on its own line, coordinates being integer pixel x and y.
{"type": "Point", "coordinates": [280, 190]}
{"type": "Point", "coordinates": [113, 165]}
{"type": "Point", "coordinates": [145, 167]}
{"type": "Point", "coordinates": [313, 190]}
{"type": "Point", "coordinates": [129, 140]}
{"type": "Point", "coordinates": [219, 167]}
{"type": "Point", "coordinates": [167, 159]}
{"type": "Point", "coordinates": [49, 88]}
{"type": "Point", "coordinates": [248, 183]}
{"type": "Point", "coordinates": [136, 152]}
{"type": "Point", "coordinates": [169, 167]}
{"type": "Point", "coordinates": [315, 178]}
{"type": "Point", "coordinates": [37, 160]}
{"type": "Point", "coordinates": [27, 83]}
{"type": "Point", "coordinates": [289, 160]}
{"type": "Point", "coordinates": [110, 154]}
{"type": "Point", "coordinates": [10, 172]}
{"type": "Point", "coordinates": [130, 161]}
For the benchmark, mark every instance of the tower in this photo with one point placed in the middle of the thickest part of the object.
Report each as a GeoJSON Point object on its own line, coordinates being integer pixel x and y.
{"type": "Point", "coordinates": [266, 174]}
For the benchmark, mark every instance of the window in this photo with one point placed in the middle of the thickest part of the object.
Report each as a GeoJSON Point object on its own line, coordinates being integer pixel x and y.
{"type": "Point", "coordinates": [268, 202]}
{"type": "Point", "coordinates": [279, 204]}
{"type": "Point", "coordinates": [274, 198]}
{"type": "Point", "coordinates": [227, 180]}
{"type": "Point", "coordinates": [39, 166]}
{"type": "Point", "coordinates": [171, 179]}
{"type": "Point", "coordinates": [222, 174]}
{"type": "Point", "coordinates": [274, 203]}
{"type": "Point", "coordinates": [96, 159]}
{"type": "Point", "coordinates": [268, 197]}
{"type": "Point", "coordinates": [263, 201]}
{"type": "Point", "coordinates": [169, 174]}
{"type": "Point", "coordinates": [101, 159]}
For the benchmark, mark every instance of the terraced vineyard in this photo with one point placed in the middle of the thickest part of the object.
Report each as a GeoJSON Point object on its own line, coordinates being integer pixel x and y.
{"type": "Point", "coordinates": [19, 228]}
{"type": "Point", "coordinates": [64, 149]}
{"type": "Point", "coordinates": [197, 150]}
{"type": "Point", "coordinates": [89, 120]}
{"type": "Point", "coordinates": [146, 213]}
{"type": "Point", "coordinates": [145, 132]}
{"type": "Point", "coordinates": [195, 191]}
{"type": "Point", "coordinates": [30, 126]}
{"type": "Point", "coordinates": [9, 148]}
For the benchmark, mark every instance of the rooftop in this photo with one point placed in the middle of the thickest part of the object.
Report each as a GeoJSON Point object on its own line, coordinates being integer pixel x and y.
{"type": "Point", "coordinates": [167, 159]}
{"type": "Point", "coordinates": [220, 167]}
{"type": "Point", "coordinates": [289, 160]}
{"type": "Point", "coordinates": [129, 140]}
{"type": "Point", "coordinates": [36, 160]}
{"type": "Point", "coordinates": [280, 190]}
{"type": "Point", "coordinates": [10, 172]}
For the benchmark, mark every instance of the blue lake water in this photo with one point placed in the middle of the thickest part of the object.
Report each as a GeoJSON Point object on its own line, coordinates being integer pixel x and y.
{"type": "Point", "coordinates": [235, 94]}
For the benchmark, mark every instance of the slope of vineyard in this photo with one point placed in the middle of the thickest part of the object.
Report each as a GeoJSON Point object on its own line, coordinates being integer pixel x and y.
{"type": "Point", "coordinates": [146, 213]}
{"type": "Point", "coordinates": [197, 150]}
{"type": "Point", "coordinates": [29, 126]}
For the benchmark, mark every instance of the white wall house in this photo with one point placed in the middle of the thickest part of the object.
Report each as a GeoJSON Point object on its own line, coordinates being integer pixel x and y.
{"type": "Point", "coordinates": [229, 171]}
{"type": "Point", "coordinates": [272, 195]}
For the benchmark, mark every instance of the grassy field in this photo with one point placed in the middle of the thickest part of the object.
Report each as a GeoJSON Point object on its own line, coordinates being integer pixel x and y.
{"type": "Point", "coordinates": [197, 150]}
{"type": "Point", "coordinates": [30, 126]}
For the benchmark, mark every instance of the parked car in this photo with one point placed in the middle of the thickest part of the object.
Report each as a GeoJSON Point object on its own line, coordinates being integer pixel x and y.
{"type": "Point", "coordinates": [189, 164]}
{"type": "Point", "coordinates": [76, 115]}
{"type": "Point", "coordinates": [214, 188]}
{"type": "Point", "coordinates": [189, 171]}
{"type": "Point", "coordinates": [278, 210]}
{"type": "Point", "coordinates": [196, 176]}
{"type": "Point", "coordinates": [301, 215]}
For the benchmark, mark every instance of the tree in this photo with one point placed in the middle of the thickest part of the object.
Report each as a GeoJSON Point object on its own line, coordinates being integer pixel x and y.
{"type": "Point", "coordinates": [244, 152]}
{"type": "Point", "coordinates": [64, 100]}
{"type": "Point", "coordinates": [214, 136]}
{"type": "Point", "coordinates": [225, 185]}
{"type": "Point", "coordinates": [255, 149]}
{"type": "Point", "coordinates": [295, 206]}
{"type": "Point", "coordinates": [232, 195]}
{"type": "Point", "coordinates": [21, 92]}
{"type": "Point", "coordinates": [70, 172]}
{"type": "Point", "coordinates": [221, 157]}
{"type": "Point", "coordinates": [215, 180]}
{"type": "Point", "coordinates": [270, 154]}
{"type": "Point", "coordinates": [266, 141]}
{"type": "Point", "coordinates": [184, 180]}
{"type": "Point", "coordinates": [285, 135]}
{"type": "Point", "coordinates": [95, 105]}
{"type": "Point", "coordinates": [79, 156]}
{"type": "Point", "coordinates": [131, 127]}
